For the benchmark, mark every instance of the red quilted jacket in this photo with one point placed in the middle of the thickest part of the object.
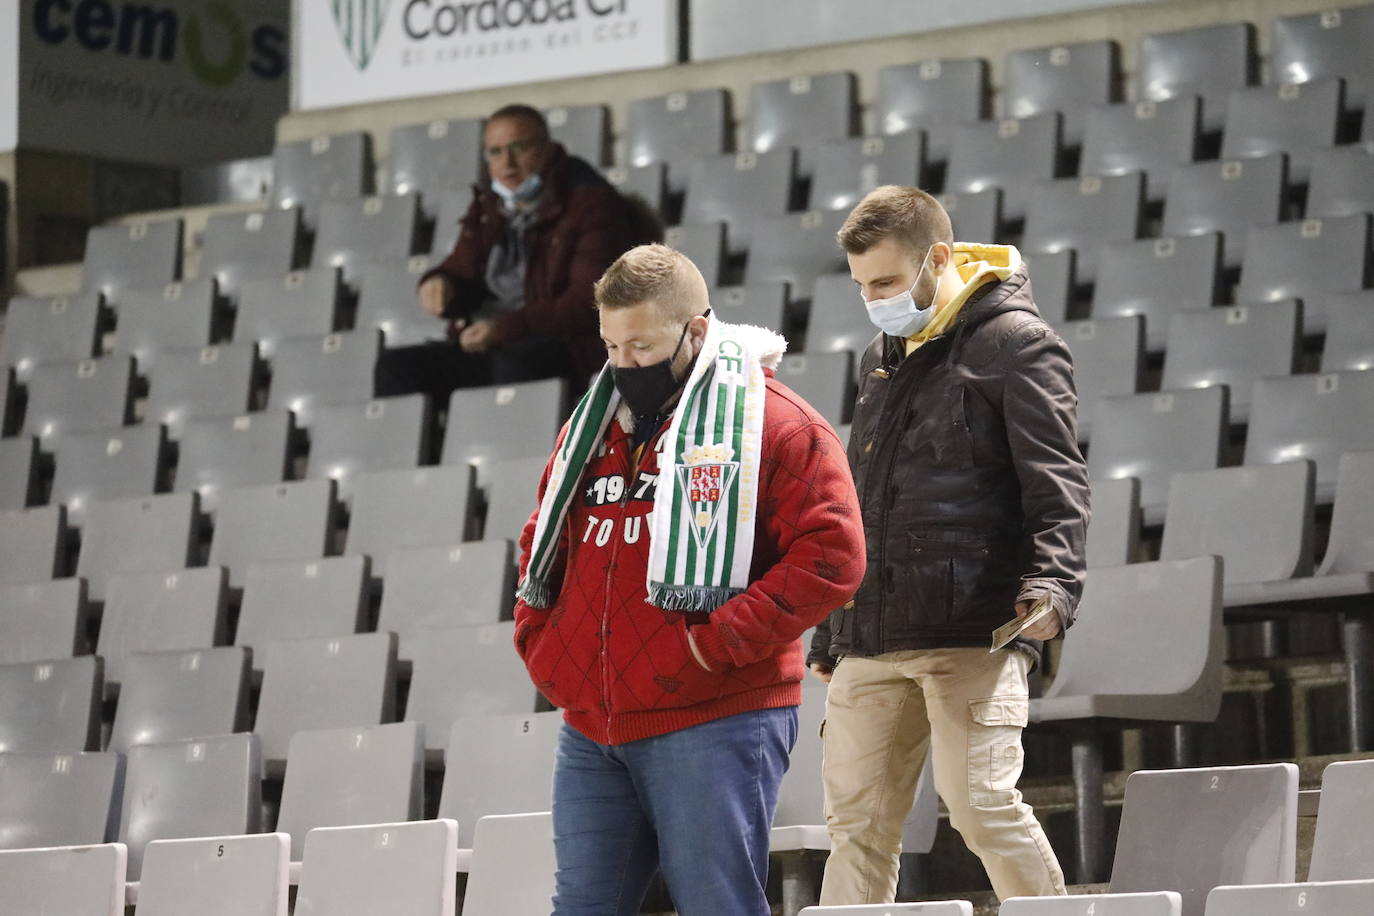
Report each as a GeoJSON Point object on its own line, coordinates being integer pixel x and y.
{"type": "Point", "coordinates": [622, 669]}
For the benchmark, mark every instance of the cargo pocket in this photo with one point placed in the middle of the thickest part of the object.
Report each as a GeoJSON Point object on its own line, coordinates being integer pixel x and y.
{"type": "Point", "coordinates": [995, 757]}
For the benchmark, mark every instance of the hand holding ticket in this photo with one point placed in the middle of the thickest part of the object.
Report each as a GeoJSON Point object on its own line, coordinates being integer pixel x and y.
{"type": "Point", "coordinates": [1012, 629]}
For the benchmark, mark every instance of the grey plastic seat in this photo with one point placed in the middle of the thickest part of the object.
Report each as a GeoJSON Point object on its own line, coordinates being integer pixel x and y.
{"type": "Point", "coordinates": [1331, 43]}
{"type": "Point", "coordinates": [37, 330]}
{"type": "Point", "coordinates": [1108, 358]}
{"type": "Point", "coordinates": [1342, 181]}
{"type": "Point", "coordinates": [931, 95]}
{"type": "Point", "coordinates": [209, 382]}
{"type": "Point", "coordinates": [33, 544]}
{"type": "Point", "coordinates": [704, 245]}
{"type": "Point", "coordinates": [1011, 154]}
{"type": "Point", "coordinates": [181, 695]}
{"type": "Point", "coordinates": [131, 255]}
{"type": "Point", "coordinates": [1341, 849]}
{"type": "Point", "coordinates": [800, 110]}
{"type": "Point", "coordinates": [1082, 214]}
{"type": "Point", "coordinates": [1114, 532]}
{"type": "Point", "coordinates": [1293, 118]}
{"type": "Point", "coordinates": [1342, 898]}
{"type": "Point", "coordinates": [1233, 346]}
{"type": "Point", "coordinates": [498, 765]}
{"type": "Point", "coordinates": [1319, 417]}
{"type": "Point", "coordinates": [1227, 197]}
{"type": "Point", "coordinates": [43, 620]}
{"type": "Point", "coordinates": [839, 320]}
{"type": "Point", "coordinates": [1066, 78]}
{"type": "Point", "coordinates": [1349, 332]}
{"type": "Point", "coordinates": [155, 534]}
{"type": "Point", "coordinates": [175, 316]}
{"type": "Point", "coordinates": [225, 453]}
{"type": "Point", "coordinates": [108, 464]}
{"type": "Point", "coordinates": [50, 707]}
{"type": "Point", "coordinates": [59, 800]}
{"type": "Point", "coordinates": [1150, 437]}
{"type": "Point", "coordinates": [72, 880]}
{"type": "Point", "coordinates": [405, 868]}
{"type": "Point", "coordinates": [1191, 830]}
{"type": "Point", "coordinates": [159, 612]}
{"type": "Point", "coordinates": [676, 127]}
{"type": "Point", "coordinates": [333, 682]}
{"type": "Point", "coordinates": [302, 599]}
{"type": "Point", "coordinates": [930, 908]}
{"type": "Point", "coordinates": [796, 249]}
{"type": "Point", "coordinates": [846, 170]}
{"type": "Point", "coordinates": [736, 188]}
{"type": "Point", "coordinates": [1156, 278]}
{"type": "Point", "coordinates": [351, 439]}
{"type": "Point", "coordinates": [976, 215]}
{"type": "Point", "coordinates": [387, 300]}
{"type": "Point", "coordinates": [1158, 903]}
{"type": "Point", "coordinates": [512, 496]}
{"type": "Point", "coordinates": [465, 672]}
{"type": "Point", "coordinates": [226, 876]}
{"type": "Point", "coordinates": [73, 396]}
{"type": "Point", "coordinates": [1277, 263]}
{"type": "Point", "coordinates": [335, 369]}
{"type": "Point", "coordinates": [1054, 282]}
{"type": "Point", "coordinates": [397, 509]}
{"type": "Point", "coordinates": [513, 865]}
{"type": "Point", "coordinates": [285, 521]}
{"type": "Point", "coordinates": [1146, 136]}
{"type": "Point", "coordinates": [1209, 62]}
{"type": "Point", "coordinates": [823, 380]}
{"type": "Point", "coordinates": [237, 246]}
{"type": "Point", "coordinates": [760, 304]}
{"type": "Point", "coordinates": [18, 472]}
{"type": "Point", "coordinates": [434, 156]}
{"type": "Point", "coordinates": [303, 303]}
{"type": "Point", "coordinates": [649, 183]}
{"type": "Point", "coordinates": [462, 585]}
{"type": "Point", "coordinates": [328, 167]}
{"type": "Point", "coordinates": [449, 208]}
{"type": "Point", "coordinates": [583, 130]}
{"type": "Point", "coordinates": [373, 228]}
{"type": "Point", "coordinates": [483, 427]}
{"type": "Point", "coordinates": [342, 777]}
{"type": "Point", "coordinates": [203, 787]}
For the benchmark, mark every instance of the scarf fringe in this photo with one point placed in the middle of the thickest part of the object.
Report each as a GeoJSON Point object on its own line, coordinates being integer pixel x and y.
{"type": "Point", "coordinates": [535, 592]}
{"type": "Point", "coordinates": [691, 598]}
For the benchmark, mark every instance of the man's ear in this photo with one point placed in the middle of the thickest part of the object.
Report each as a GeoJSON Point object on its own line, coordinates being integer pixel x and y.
{"type": "Point", "coordinates": [697, 329]}
{"type": "Point", "coordinates": [941, 254]}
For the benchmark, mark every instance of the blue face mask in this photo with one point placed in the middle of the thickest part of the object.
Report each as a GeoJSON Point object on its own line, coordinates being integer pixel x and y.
{"type": "Point", "coordinates": [528, 190]}
{"type": "Point", "coordinates": [899, 315]}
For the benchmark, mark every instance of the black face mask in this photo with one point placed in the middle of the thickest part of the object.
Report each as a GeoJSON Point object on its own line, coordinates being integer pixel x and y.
{"type": "Point", "coordinates": [645, 388]}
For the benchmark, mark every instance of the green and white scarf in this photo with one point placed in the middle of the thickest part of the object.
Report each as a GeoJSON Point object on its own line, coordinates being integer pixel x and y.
{"type": "Point", "coordinates": [702, 537]}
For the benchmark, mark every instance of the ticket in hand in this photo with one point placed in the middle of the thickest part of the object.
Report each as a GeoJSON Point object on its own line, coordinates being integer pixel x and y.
{"type": "Point", "coordinates": [1012, 629]}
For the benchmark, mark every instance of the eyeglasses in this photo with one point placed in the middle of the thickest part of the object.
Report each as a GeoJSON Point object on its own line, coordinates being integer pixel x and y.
{"type": "Point", "coordinates": [515, 148]}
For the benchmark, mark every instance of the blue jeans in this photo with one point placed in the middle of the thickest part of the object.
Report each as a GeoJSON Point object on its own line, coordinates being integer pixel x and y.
{"type": "Point", "coordinates": [697, 803]}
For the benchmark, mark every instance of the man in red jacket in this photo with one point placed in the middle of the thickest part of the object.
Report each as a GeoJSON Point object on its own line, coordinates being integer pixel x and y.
{"type": "Point", "coordinates": [695, 519]}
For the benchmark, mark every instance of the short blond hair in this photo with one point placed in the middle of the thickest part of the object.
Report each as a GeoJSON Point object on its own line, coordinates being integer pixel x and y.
{"type": "Point", "coordinates": [909, 216]}
{"type": "Point", "coordinates": [654, 273]}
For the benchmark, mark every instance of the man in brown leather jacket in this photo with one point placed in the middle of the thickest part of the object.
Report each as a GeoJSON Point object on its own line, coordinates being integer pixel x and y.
{"type": "Point", "coordinates": [974, 497]}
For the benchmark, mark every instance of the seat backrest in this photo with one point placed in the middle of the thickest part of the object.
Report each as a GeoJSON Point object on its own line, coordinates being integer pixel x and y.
{"type": "Point", "coordinates": [795, 249]}
{"type": "Point", "coordinates": [179, 695]}
{"type": "Point", "coordinates": [824, 380]}
{"type": "Point", "coordinates": [155, 534]}
{"type": "Point", "coordinates": [583, 130]}
{"type": "Point", "coordinates": [1233, 346]}
{"type": "Point", "coordinates": [670, 128]}
{"type": "Point", "coordinates": [1208, 62]}
{"type": "Point", "coordinates": [173, 316]}
{"type": "Point", "coordinates": [18, 472]}
{"type": "Point", "coordinates": [1148, 136]}
{"type": "Point", "coordinates": [975, 215]}
{"type": "Point", "coordinates": [59, 800]}
{"type": "Point", "coordinates": [43, 620]}
{"type": "Point", "coordinates": [423, 507]}
{"type": "Point", "coordinates": [465, 672]}
{"type": "Point", "coordinates": [402, 868]}
{"type": "Point", "coordinates": [763, 305]}
{"type": "Point", "coordinates": [448, 586]}
{"type": "Point", "coordinates": [498, 765]}
{"type": "Point", "coordinates": [1114, 532]}
{"type": "Point", "coordinates": [1156, 278]}
{"type": "Point", "coordinates": [1342, 181]}
{"type": "Point", "coordinates": [1065, 78]}
{"type": "Point", "coordinates": [704, 245]}
{"type": "Point", "coordinates": [1291, 118]}
{"type": "Point", "coordinates": [75, 396]}
{"type": "Point", "coordinates": [225, 876]}
{"type": "Point", "coordinates": [334, 369]}
{"type": "Point", "coordinates": [284, 521]}
{"type": "Point", "coordinates": [839, 320]}
{"type": "Point", "coordinates": [387, 300]}
{"type": "Point", "coordinates": [32, 544]}
{"type": "Point", "coordinates": [1011, 154]}
{"type": "Point", "coordinates": [302, 303]}
{"type": "Point", "coordinates": [1160, 903]}
{"type": "Point", "coordinates": [381, 435]}
{"type": "Point", "coordinates": [128, 255]}
{"type": "Point", "coordinates": [41, 330]}
{"type": "Point", "coordinates": [327, 167]}
{"type": "Point", "coordinates": [1320, 417]}
{"type": "Point", "coordinates": [1329, 43]}
{"type": "Point", "coordinates": [1343, 849]}
{"type": "Point", "coordinates": [930, 95]}
{"type": "Point", "coordinates": [1349, 331]}
{"type": "Point", "coordinates": [1351, 545]}
{"type": "Point", "coordinates": [1276, 263]}
{"type": "Point", "coordinates": [512, 496]}
{"type": "Point", "coordinates": [848, 169]}
{"type": "Point", "coordinates": [449, 207]}
{"type": "Point", "coordinates": [513, 866]}
{"type": "Point", "coordinates": [300, 599]}
{"type": "Point", "coordinates": [1226, 197]}
{"type": "Point", "coordinates": [237, 246]}
{"type": "Point", "coordinates": [72, 880]}
{"type": "Point", "coordinates": [230, 452]}
{"type": "Point", "coordinates": [1108, 357]}
{"type": "Point", "coordinates": [1054, 283]}
{"type": "Point", "coordinates": [207, 382]}
{"type": "Point", "coordinates": [123, 463]}
{"type": "Point", "coordinates": [1082, 214]}
{"type": "Point", "coordinates": [504, 421]}
{"type": "Point", "coordinates": [434, 156]}
{"type": "Point", "coordinates": [799, 110]}
{"type": "Point", "coordinates": [352, 231]}
{"type": "Point", "coordinates": [161, 611]}
{"type": "Point", "coordinates": [736, 188]}
{"type": "Point", "coordinates": [1281, 899]}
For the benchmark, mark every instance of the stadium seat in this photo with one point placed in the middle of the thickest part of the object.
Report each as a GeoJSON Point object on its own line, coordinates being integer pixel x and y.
{"type": "Point", "coordinates": [1233, 346]}
{"type": "Point", "coordinates": [43, 620]}
{"type": "Point", "coordinates": [374, 228]}
{"type": "Point", "coordinates": [930, 908]}
{"type": "Point", "coordinates": [1108, 359]}
{"type": "Point", "coordinates": [649, 183]}
{"type": "Point", "coordinates": [1349, 331]}
{"type": "Point", "coordinates": [131, 255]}
{"type": "Point", "coordinates": [73, 396]}
{"type": "Point", "coordinates": [498, 765]}
{"type": "Point", "coordinates": [343, 777]}
{"type": "Point", "coordinates": [62, 328]}
{"type": "Point", "coordinates": [434, 156]}
{"type": "Point", "coordinates": [351, 439]}
{"type": "Point", "coordinates": [737, 188]}
{"type": "Point", "coordinates": [704, 245]}
{"type": "Point", "coordinates": [464, 672]}
{"type": "Point", "coordinates": [387, 299]}
{"type": "Point", "coordinates": [839, 320]}
{"type": "Point", "coordinates": [1342, 849]}
{"type": "Point", "coordinates": [208, 382]}
{"type": "Point", "coordinates": [583, 130]}
{"type": "Point", "coordinates": [1293, 118]}
{"type": "Point", "coordinates": [175, 316]}
{"type": "Point", "coordinates": [1148, 136]}
{"type": "Point", "coordinates": [1159, 903]}
{"type": "Point", "coordinates": [285, 521]}
{"type": "Point", "coordinates": [303, 303]}
{"type": "Point", "coordinates": [801, 110]}
{"type": "Point", "coordinates": [462, 585]}
{"type": "Point", "coordinates": [401, 868]}
{"type": "Point", "coordinates": [33, 544]}
{"type": "Point", "coordinates": [329, 370]}
{"type": "Point", "coordinates": [19, 476]}
{"type": "Point", "coordinates": [512, 496]}
{"type": "Point", "coordinates": [302, 599]}
{"type": "Point", "coordinates": [155, 534]}
{"type": "Point", "coordinates": [162, 611]}
{"type": "Point", "coordinates": [846, 170]}
{"type": "Point", "coordinates": [1336, 897]}
{"type": "Point", "coordinates": [1226, 197]}
{"type": "Point", "coordinates": [513, 865]}
{"type": "Point", "coordinates": [59, 800]}
{"type": "Point", "coordinates": [795, 249]}
{"type": "Point", "coordinates": [932, 95]}
{"type": "Point", "coordinates": [393, 510]}
{"type": "Point", "coordinates": [1066, 78]}
{"type": "Point", "coordinates": [449, 208]}
{"type": "Point", "coordinates": [108, 464]}
{"type": "Point", "coordinates": [1010, 154]}
{"type": "Point", "coordinates": [1331, 43]}
{"type": "Point", "coordinates": [175, 790]}
{"type": "Point", "coordinates": [976, 215]}
{"type": "Point", "coordinates": [1342, 181]}
{"type": "Point", "coordinates": [824, 380]}
{"type": "Point", "coordinates": [482, 428]}
{"type": "Point", "coordinates": [677, 127]}
{"type": "Point", "coordinates": [1114, 532]}
{"type": "Point", "coordinates": [1082, 214]}
{"type": "Point", "coordinates": [225, 453]}
{"type": "Point", "coordinates": [8, 400]}
{"type": "Point", "coordinates": [1307, 260]}
{"type": "Point", "coordinates": [71, 880]}
{"type": "Point", "coordinates": [50, 707]}
{"type": "Point", "coordinates": [308, 172]}
{"type": "Point", "coordinates": [328, 683]}
{"type": "Point", "coordinates": [238, 246]}
{"type": "Point", "coordinates": [1054, 281]}
{"type": "Point", "coordinates": [226, 876]}
{"type": "Point", "coordinates": [1156, 278]}
{"type": "Point", "coordinates": [1319, 417]}
{"type": "Point", "coordinates": [763, 305]}
{"type": "Point", "coordinates": [180, 695]}
{"type": "Point", "coordinates": [1208, 62]}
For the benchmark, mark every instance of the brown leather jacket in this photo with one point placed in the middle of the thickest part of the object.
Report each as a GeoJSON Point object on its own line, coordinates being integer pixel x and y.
{"type": "Point", "coordinates": [972, 486]}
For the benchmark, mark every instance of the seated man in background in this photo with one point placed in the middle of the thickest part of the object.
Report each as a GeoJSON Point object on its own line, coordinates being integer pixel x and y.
{"type": "Point", "coordinates": [517, 288]}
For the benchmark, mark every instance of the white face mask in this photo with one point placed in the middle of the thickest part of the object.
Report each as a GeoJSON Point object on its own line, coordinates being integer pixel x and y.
{"type": "Point", "coordinates": [899, 315]}
{"type": "Point", "coordinates": [529, 188]}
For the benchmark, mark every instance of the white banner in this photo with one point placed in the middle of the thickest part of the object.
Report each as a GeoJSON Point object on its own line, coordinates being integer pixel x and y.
{"type": "Point", "coordinates": [166, 82]}
{"type": "Point", "coordinates": [354, 51]}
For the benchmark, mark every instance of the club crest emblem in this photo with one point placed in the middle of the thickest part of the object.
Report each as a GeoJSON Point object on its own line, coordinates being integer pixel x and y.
{"type": "Point", "coordinates": [360, 24]}
{"type": "Point", "coordinates": [706, 476]}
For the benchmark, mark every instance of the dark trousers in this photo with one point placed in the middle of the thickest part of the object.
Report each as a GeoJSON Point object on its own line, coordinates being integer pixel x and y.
{"type": "Point", "coordinates": [438, 368]}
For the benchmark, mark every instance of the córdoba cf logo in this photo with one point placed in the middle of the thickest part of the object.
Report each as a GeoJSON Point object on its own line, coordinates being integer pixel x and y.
{"type": "Point", "coordinates": [360, 24]}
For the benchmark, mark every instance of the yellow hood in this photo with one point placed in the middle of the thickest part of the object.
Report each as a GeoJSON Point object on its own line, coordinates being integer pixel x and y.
{"type": "Point", "coordinates": [977, 265]}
